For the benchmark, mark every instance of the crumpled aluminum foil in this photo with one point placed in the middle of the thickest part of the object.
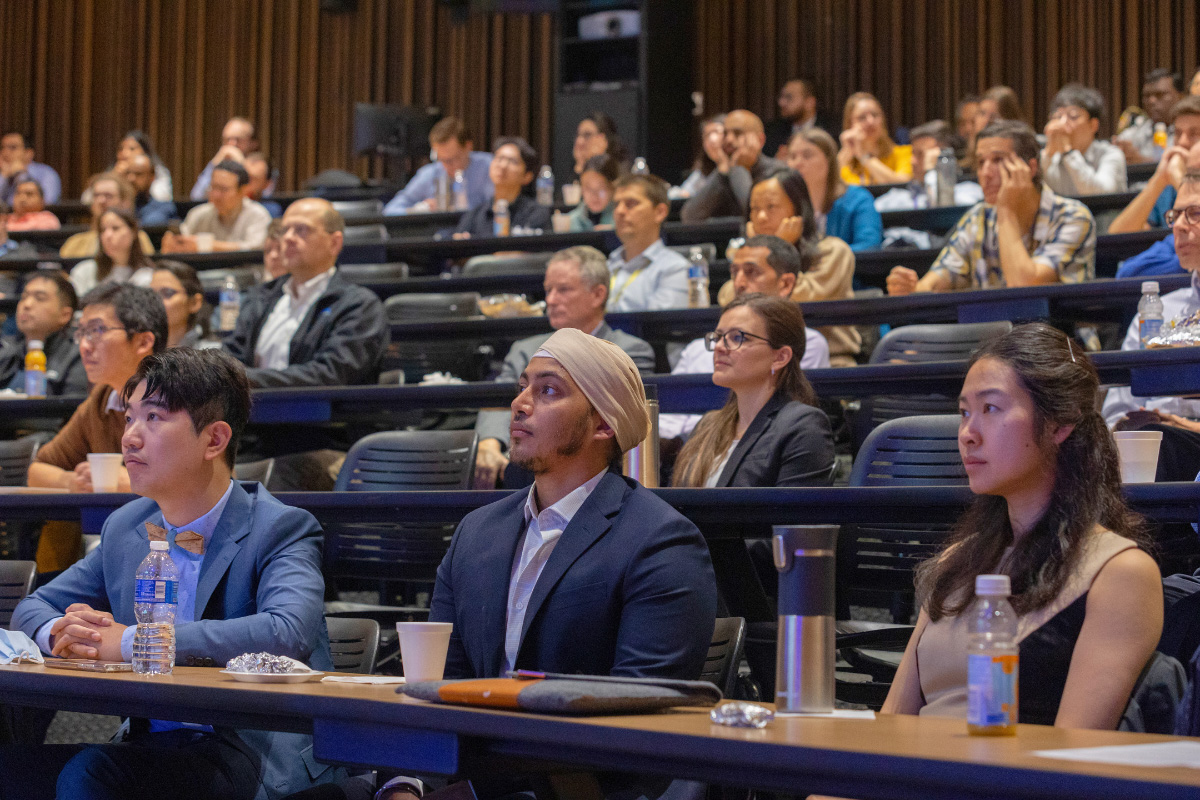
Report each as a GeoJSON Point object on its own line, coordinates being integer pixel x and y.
{"type": "Point", "coordinates": [1183, 332]}
{"type": "Point", "coordinates": [741, 715]}
{"type": "Point", "coordinates": [265, 663]}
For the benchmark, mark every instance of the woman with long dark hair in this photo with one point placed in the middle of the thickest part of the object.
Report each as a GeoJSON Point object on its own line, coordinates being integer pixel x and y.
{"type": "Point", "coordinates": [120, 256]}
{"type": "Point", "coordinates": [779, 206]}
{"type": "Point", "coordinates": [1050, 515]}
{"type": "Point", "coordinates": [769, 432]}
{"type": "Point", "coordinates": [595, 135]}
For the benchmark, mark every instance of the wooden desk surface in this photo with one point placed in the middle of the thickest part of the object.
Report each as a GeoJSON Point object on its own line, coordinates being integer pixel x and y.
{"type": "Point", "coordinates": [891, 756]}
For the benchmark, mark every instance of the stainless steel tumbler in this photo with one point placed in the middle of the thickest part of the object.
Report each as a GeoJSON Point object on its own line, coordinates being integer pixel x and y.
{"type": "Point", "coordinates": [804, 556]}
{"type": "Point", "coordinates": [641, 462]}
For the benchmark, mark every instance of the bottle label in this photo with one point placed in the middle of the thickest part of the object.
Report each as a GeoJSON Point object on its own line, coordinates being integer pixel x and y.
{"type": "Point", "coordinates": [1148, 329]}
{"type": "Point", "coordinates": [35, 382]}
{"type": "Point", "coordinates": [150, 590]}
{"type": "Point", "coordinates": [991, 690]}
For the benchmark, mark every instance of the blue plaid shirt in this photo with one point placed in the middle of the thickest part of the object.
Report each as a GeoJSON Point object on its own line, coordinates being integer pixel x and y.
{"type": "Point", "coordinates": [1063, 238]}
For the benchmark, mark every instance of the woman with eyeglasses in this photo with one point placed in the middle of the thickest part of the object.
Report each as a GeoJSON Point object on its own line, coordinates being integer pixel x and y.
{"type": "Point", "coordinates": [120, 258]}
{"type": "Point", "coordinates": [596, 135]}
{"type": "Point", "coordinates": [183, 298]}
{"type": "Point", "coordinates": [1049, 514]}
{"type": "Point", "coordinates": [780, 206]}
{"type": "Point", "coordinates": [596, 182]}
{"type": "Point", "coordinates": [769, 432]}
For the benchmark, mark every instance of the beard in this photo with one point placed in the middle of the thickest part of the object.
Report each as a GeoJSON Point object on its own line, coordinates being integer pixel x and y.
{"type": "Point", "coordinates": [573, 442]}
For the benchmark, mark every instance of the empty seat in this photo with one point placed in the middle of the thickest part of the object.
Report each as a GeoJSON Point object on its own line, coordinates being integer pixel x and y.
{"type": "Point", "coordinates": [523, 264]}
{"type": "Point", "coordinates": [431, 306]}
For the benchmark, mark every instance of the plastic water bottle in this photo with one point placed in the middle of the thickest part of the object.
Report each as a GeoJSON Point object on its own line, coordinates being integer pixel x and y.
{"type": "Point", "coordinates": [500, 219]}
{"type": "Point", "coordinates": [231, 303]}
{"type": "Point", "coordinates": [441, 200]}
{"type": "Point", "coordinates": [640, 167]}
{"type": "Point", "coordinates": [545, 186]}
{"type": "Point", "coordinates": [155, 600]}
{"type": "Point", "coordinates": [992, 659]}
{"type": "Point", "coordinates": [461, 203]}
{"type": "Point", "coordinates": [35, 369]}
{"type": "Point", "coordinates": [698, 279]}
{"type": "Point", "coordinates": [947, 176]}
{"type": "Point", "coordinates": [1150, 313]}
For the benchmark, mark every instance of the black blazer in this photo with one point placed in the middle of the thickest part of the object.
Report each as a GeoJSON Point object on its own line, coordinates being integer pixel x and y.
{"type": "Point", "coordinates": [628, 590]}
{"type": "Point", "coordinates": [789, 443]}
{"type": "Point", "coordinates": [340, 342]}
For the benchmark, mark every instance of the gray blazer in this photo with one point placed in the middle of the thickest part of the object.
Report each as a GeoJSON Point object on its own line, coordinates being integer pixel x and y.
{"type": "Point", "coordinates": [494, 424]}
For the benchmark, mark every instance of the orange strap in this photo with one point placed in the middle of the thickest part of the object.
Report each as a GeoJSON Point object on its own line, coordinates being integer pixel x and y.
{"type": "Point", "coordinates": [493, 692]}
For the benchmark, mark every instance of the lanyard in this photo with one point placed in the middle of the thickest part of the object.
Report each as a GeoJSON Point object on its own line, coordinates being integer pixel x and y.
{"type": "Point", "coordinates": [616, 296]}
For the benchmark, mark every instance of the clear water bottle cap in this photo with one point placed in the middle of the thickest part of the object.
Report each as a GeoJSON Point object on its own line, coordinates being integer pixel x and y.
{"type": "Point", "coordinates": [1150, 287]}
{"type": "Point", "coordinates": [159, 545]}
{"type": "Point", "coordinates": [35, 344]}
{"type": "Point", "coordinates": [992, 586]}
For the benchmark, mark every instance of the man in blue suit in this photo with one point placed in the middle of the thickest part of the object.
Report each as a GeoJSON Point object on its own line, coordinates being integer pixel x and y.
{"type": "Point", "coordinates": [255, 585]}
{"type": "Point", "coordinates": [587, 572]}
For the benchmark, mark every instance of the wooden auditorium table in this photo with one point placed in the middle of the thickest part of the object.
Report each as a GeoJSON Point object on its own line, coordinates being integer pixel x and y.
{"type": "Point", "coordinates": [889, 757]}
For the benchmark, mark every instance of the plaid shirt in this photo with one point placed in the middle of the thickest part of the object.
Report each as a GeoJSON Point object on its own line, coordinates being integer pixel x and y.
{"type": "Point", "coordinates": [1063, 238]}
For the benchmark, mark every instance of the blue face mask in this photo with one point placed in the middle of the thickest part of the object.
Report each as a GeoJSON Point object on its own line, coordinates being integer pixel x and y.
{"type": "Point", "coordinates": [17, 648]}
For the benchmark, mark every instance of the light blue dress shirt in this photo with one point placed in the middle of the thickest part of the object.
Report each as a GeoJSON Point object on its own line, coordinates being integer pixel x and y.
{"type": "Point", "coordinates": [46, 177]}
{"type": "Point", "coordinates": [654, 280]}
{"type": "Point", "coordinates": [423, 185]}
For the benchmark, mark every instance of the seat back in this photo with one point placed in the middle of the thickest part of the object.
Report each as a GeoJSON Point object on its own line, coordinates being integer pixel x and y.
{"type": "Point", "coordinates": [16, 581]}
{"type": "Point", "coordinates": [353, 643]}
{"type": "Point", "coordinates": [428, 306]}
{"type": "Point", "coordinates": [876, 561]}
{"type": "Point", "coordinates": [708, 248]}
{"type": "Point", "coordinates": [213, 280]}
{"type": "Point", "coordinates": [260, 471]}
{"type": "Point", "coordinates": [15, 458]}
{"type": "Point", "coordinates": [367, 273]}
{"type": "Point", "coordinates": [725, 653]}
{"type": "Point", "coordinates": [409, 460]}
{"type": "Point", "coordinates": [522, 264]}
{"type": "Point", "coordinates": [358, 209]}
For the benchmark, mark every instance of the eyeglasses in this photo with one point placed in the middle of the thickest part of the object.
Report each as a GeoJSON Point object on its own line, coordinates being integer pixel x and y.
{"type": "Point", "coordinates": [93, 333]}
{"type": "Point", "coordinates": [731, 339]}
{"type": "Point", "coordinates": [1190, 213]}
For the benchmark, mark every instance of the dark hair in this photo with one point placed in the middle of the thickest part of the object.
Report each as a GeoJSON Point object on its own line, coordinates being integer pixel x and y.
{"type": "Point", "coordinates": [1076, 94]}
{"type": "Point", "coordinates": [835, 187]}
{"type": "Point", "coordinates": [528, 155]}
{"type": "Point", "coordinates": [703, 163]}
{"type": "Point", "coordinates": [714, 433]}
{"type": "Point", "coordinates": [1188, 105]}
{"type": "Point", "coordinates": [62, 283]}
{"type": "Point", "coordinates": [137, 259]}
{"type": "Point", "coordinates": [1062, 385]}
{"type": "Point", "coordinates": [1156, 75]}
{"type": "Point", "coordinates": [210, 385]}
{"type": "Point", "coordinates": [275, 229]}
{"type": "Point", "coordinates": [937, 129]}
{"type": "Point", "coordinates": [781, 256]}
{"type": "Point", "coordinates": [229, 165]}
{"type": "Point", "coordinates": [186, 275]}
{"type": "Point", "coordinates": [793, 185]}
{"type": "Point", "coordinates": [654, 187]}
{"type": "Point", "coordinates": [608, 128]}
{"type": "Point", "coordinates": [143, 140]}
{"type": "Point", "coordinates": [25, 137]}
{"type": "Point", "coordinates": [1024, 142]}
{"type": "Point", "coordinates": [604, 164]}
{"type": "Point", "coordinates": [1007, 105]}
{"type": "Point", "coordinates": [138, 309]}
{"type": "Point", "coordinates": [809, 87]}
{"type": "Point", "coordinates": [448, 128]}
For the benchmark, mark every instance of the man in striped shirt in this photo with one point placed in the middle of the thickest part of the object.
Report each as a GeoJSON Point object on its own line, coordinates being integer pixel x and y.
{"type": "Point", "coordinates": [1022, 234]}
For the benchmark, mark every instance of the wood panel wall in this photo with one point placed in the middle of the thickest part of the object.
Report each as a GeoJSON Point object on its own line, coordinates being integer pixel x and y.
{"type": "Point", "coordinates": [79, 73]}
{"type": "Point", "coordinates": [920, 56]}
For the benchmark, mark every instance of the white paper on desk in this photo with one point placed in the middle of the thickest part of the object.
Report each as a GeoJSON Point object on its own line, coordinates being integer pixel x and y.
{"type": "Point", "coordinates": [378, 680]}
{"type": "Point", "coordinates": [838, 713]}
{"type": "Point", "coordinates": [1164, 754]}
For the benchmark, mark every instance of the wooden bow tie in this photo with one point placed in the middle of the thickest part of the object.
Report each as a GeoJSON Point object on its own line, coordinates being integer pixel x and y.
{"type": "Point", "coordinates": [188, 540]}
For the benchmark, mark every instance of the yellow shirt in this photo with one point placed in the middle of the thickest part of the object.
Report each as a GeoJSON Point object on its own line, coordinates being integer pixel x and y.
{"type": "Point", "coordinates": [900, 160]}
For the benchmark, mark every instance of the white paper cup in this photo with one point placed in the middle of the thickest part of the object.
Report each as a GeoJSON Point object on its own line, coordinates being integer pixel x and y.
{"type": "Point", "coordinates": [106, 471]}
{"type": "Point", "coordinates": [204, 242]}
{"type": "Point", "coordinates": [1139, 455]}
{"type": "Point", "coordinates": [561, 222]}
{"type": "Point", "coordinates": [423, 647]}
{"type": "Point", "coordinates": [572, 194]}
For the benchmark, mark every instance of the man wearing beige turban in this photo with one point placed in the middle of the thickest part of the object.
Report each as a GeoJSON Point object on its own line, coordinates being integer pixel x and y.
{"type": "Point", "coordinates": [587, 572]}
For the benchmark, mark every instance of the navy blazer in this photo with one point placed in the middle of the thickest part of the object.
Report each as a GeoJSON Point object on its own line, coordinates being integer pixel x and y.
{"type": "Point", "coordinates": [260, 588]}
{"type": "Point", "coordinates": [789, 443]}
{"type": "Point", "coordinates": [628, 590]}
{"type": "Point", "coordinates": [340, 342]}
